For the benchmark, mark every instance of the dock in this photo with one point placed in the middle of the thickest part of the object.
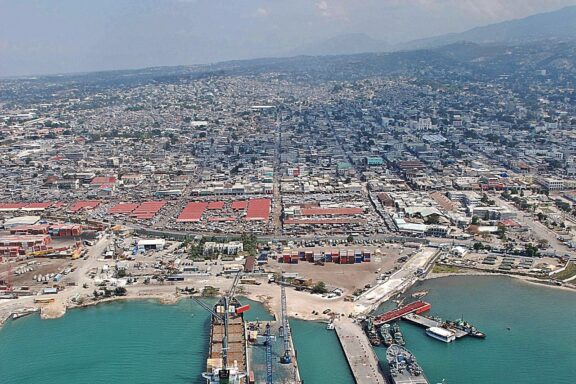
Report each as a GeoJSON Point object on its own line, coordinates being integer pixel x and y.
{"type": "Point", "coordinates": [361, 357]}
{"type": "Point", "coordinates": [417, 307]}
{"type": "Point", "coordinates": [428, 323]}
{"type": "Point", "coordinates": [256, 354]}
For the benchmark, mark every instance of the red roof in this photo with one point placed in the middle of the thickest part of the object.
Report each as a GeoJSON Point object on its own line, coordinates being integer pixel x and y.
{"type": "Point", "coordinates": [239, 205]}
{"type": "Point", "coordinates": [258, 209]}
{"type": "Point", "coordinates": [216, 205]}
{"type": "Point", "coordinates": [331, 211]}
{"type": "Point", "coordinates": [79, 205]}
{"type": "Point", "coordinates": [192, 212]}
{"type": "Point", "coordinates": [103, 180]}
{"type": "Point", "coordinates": [123, 208]}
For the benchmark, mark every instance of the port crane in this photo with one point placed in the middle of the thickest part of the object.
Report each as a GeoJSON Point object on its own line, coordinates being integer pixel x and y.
{"type": "Point", "coordinates": [286, 358]}
{"type": "Point", "coordinates": [268, 355]}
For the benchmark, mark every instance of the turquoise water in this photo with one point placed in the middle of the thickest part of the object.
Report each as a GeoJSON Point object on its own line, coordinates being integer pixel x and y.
{"type": "Point", "coordinates": [540, 346]}
{"type": "Point", "coordinates": [141, 342]}
{"type": "Point", "coordinates": [319, 354]}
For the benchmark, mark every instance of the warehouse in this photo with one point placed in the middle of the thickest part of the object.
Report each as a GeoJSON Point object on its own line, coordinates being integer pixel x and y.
{"type": "Point", "coordinates": [21, 221]}
{"type": "Point", "coordinates": [151, 244]}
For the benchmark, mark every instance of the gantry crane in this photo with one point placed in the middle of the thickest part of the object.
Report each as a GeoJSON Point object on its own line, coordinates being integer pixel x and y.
{"type": "Point", "coordinates": [286, 358]}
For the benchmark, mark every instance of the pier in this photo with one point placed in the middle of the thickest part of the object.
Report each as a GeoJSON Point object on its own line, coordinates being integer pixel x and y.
{"type": "Point", "coordinates": [415, 307]}
{"type": "Point", "coordinates": [361, 357]}
{"type": "Point", "coordinates": [428, 323]}
{"type": "Point", "coordinates": [257, 354]}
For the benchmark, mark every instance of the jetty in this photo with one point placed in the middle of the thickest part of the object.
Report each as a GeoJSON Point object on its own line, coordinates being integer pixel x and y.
{"type": "Point", "coordinates": [362, 359]}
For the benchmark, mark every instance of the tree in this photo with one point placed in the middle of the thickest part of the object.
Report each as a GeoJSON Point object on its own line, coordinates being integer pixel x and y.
{"type": "Point", "coordinates": [320, 288]}
{"type": "Point", "coordinates": [120, 291]}
{"type": "Point", "coordinates": [350, 238]}
{"type": "Point", "coordinates": [433, 219]}
{"type": "Point", "coordinates": [475, 220]}
{"type": "Point", "coordinates": [478, 246]}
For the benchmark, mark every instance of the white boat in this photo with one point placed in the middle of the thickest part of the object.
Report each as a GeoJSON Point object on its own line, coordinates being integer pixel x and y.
{"type": "Point", "coordinates": [330, 326]}
{"type": "Point", "coordinates": [441, 334]}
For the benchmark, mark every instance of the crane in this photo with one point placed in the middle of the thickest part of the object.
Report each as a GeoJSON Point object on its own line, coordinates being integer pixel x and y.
{"type": "Point", "coordinates": [268, 355]}
{"type": "Point", "coordinates": [286, 358]}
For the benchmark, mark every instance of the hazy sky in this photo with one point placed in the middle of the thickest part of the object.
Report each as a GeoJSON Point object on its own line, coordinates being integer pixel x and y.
{"type": "Point", "coordinates": [57, 36]}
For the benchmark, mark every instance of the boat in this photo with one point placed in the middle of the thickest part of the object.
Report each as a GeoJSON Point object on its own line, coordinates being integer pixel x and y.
{"type": "Point", "coordinates": [403, 366]}
{"type": "Point", "coordinates": [227, 355]}
{"type": "Point", "coordinates": [398, 336]}
{"type": "Point", "coordinates": [385, 335]}
{"type": "Point", "coordinates": [330, 326]}
{"type": "Point", "coordinates": [419, 294]}
{"type": "Point", "coordinates": [441, 334]}
{"type": "Point", "coordinates": [464, 326]}
{"type": "Point", "coordinates": [372, 332]}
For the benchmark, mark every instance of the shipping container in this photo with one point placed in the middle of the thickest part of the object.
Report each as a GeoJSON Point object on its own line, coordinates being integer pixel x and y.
{"type": "Point", "coordinates": [336, 259]}
{"type": "Point", "coordinates": [357, 259]}
{"type": "Point", "coordinates": [328, 258]}
{"type": "Point", "coordinates": [302, 255]}
{"type": "Point", "coordinates": [286, 259]}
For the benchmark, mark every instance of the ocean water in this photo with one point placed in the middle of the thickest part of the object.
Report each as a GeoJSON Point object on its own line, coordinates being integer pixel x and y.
{"type": "Point", "coordinates": [141, 342]}
{"type": "Point", "coordinates": [320, 355]}
{"type": "Point", "coordinates": [531, 332]}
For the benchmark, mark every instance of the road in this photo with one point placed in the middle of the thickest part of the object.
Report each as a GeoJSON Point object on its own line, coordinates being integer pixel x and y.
{"type": "Point", "coordinates": [398, 282]}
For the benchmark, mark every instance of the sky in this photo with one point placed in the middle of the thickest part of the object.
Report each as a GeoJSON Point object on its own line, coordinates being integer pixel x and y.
{"type": "Point", "coordinates": [64, 36]}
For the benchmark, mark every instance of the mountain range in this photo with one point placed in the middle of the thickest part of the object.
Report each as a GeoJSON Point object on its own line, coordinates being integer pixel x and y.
{"type": "Point", "coordinates": [558, 25]}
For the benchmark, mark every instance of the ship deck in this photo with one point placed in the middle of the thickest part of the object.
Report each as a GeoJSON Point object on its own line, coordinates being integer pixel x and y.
{"type": "Point", "coordinates": [236, 342]}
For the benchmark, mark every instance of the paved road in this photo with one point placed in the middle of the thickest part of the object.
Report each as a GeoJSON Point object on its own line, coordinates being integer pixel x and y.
{"type": "Point", "coordinates": [398, 282]}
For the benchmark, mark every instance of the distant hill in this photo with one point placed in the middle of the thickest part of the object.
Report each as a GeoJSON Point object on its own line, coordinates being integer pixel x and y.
{"type": "Point", "coordinates": [341, 45]}
{"type": "Point", "coordinates": [556, 25]}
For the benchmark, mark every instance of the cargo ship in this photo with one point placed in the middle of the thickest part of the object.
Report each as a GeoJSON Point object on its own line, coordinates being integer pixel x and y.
{"type": "Point", "coordinates": [227, 362]}
{"type": "Point", "coordinates": [404, 368]}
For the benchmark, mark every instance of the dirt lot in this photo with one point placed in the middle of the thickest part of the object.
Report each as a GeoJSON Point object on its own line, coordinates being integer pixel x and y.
{"type": "Point", "coordinates": [347, 277]}
{"type": "Point", "coordinates": [39, 266]}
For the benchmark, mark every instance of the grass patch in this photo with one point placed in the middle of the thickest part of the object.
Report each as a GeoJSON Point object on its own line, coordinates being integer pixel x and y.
{"type": "Point", "coordinates": [438, 268]}
{"type": "Point", "coordinates": [567, 273]}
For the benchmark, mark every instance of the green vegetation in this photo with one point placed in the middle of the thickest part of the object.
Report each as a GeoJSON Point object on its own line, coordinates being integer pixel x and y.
{"type": "Point", "coordinates": [569, 272]}
{"type": "Point", "coordinates": [250, 243]}
{"type": "Point", "coordinates": [445, 269]}
{"type": "Point", "coordinates": [320, 288]}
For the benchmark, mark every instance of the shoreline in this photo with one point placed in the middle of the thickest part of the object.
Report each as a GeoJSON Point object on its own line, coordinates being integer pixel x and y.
{"type": "Point", "coordinates": [525, 279]}
{"type": "Point", "coordinates": [58, 309]}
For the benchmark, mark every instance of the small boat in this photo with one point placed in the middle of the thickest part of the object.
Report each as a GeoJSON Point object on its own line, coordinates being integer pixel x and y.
{"type": "Point", "coordinates": [385, 335]}
{"type": "Point", "coordinates": [398, 336]}
{"type": "Point", "coordinates": [419, 294]}
{"type": "Point", "coordinates": [441, 334]}
{"type": "Point", "coordinates": [372, 333]}
{"type": "Point", "coordinates": [330, 326]}
{"type": "Point", "coordinates": [465, 326]}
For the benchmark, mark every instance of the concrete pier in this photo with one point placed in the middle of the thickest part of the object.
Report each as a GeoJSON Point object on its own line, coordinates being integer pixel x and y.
{"type": "Point", "coordinates": [428, 323]}
{"type": "Point", "coordinates": [359, 353]}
